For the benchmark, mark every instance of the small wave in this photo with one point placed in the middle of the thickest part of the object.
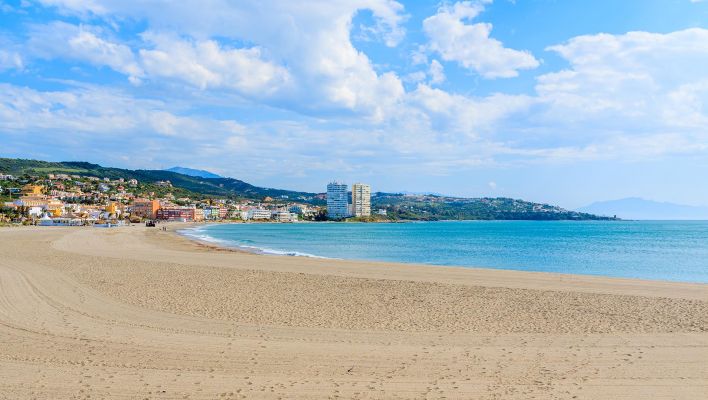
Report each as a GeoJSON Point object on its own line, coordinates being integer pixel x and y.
{"type": "Point", "coordinates": [199, 235]}
{"type": "Point", "coordinates": [265, 250]}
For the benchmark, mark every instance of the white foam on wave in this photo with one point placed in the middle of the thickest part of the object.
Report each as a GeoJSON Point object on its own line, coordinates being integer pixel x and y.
{"type": "Point", "coordinates": [199, 235]}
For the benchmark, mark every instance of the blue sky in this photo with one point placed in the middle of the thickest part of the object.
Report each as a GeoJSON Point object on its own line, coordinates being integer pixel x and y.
{"type": "Point", "coordinates": [566, 102]}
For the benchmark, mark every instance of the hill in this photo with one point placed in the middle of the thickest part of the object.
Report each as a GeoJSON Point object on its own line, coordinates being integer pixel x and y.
{"type": "Point", "coordinates": [199, 173]}
{"type": "Point", "coordinates": [638, 208]}
{"type": "Point", "coordinates": [398, 206]}
{"type": "Point", "coordinates": [223, 187]}
{"type": "Point", "coordinates": [434, 207]}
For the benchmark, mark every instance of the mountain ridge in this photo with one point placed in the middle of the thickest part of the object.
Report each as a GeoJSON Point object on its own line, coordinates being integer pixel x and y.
{"type": "Point", "coordinates": [198, 173]}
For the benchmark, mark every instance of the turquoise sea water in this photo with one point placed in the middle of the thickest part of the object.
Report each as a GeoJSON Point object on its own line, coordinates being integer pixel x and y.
{"type": "Point", "coordinates": [665, 250]}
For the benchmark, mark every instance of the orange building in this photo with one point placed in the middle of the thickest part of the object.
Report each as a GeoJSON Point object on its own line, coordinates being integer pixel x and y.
{"type": "Point", "coordinates": [145, 208]}
{"type": "Point", "coordinates": [32, 190]}
{"type": "Point", "coordinates": [112, 208]}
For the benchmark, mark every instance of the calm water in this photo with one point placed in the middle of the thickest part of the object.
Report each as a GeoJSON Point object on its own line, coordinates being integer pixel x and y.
{"type": "Point", "coordinates": [667, 250]}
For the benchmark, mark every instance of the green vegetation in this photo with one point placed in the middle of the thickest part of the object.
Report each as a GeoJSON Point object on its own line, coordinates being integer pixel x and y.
{"type": "Point", "coordinates": [435, 208]}
{"type": "Point", "coordinates": [183, 185]}
{"type": "Point", "coordinates": [16, 166]}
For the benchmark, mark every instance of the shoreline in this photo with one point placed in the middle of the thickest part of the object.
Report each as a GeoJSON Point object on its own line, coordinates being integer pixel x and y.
{"type": "Point", "coordinates": [485, 276]}
{"type": "Point", "coordinates": [221, 244]}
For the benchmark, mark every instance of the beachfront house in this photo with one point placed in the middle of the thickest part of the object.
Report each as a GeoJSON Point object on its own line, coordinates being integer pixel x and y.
{"type": "Point", "coordinates": [285, 216]}
{"type": "Point", "coordinates": [176, 213]}
{"type": "Point", "coordinates": [258, 214]}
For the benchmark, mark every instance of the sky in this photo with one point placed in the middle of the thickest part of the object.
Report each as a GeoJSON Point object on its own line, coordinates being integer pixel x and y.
{"type": "Point", "coordinates": [560, 101]}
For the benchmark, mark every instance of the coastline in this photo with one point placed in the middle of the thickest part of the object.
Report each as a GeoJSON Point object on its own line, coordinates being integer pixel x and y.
{"type": "Point", "coordinates": [218, 244]}
{"type": "Point", "coordinates": [136, 312]}
{"type": "Point", "coordinates": [194, 231]}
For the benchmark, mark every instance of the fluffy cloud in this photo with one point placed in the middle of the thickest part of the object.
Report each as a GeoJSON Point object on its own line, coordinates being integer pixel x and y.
{"type": "Point", "coordinates": [463, 117]}
{"type": "Point", "coordinates": [108, 124]}
{"type": "Point", "coordinates": [633, 96]}
{"type": "Point", "coordinates": [311, 39]}
{"type": "Point", "coordinates": [84, 111]}
{"type": "Point", "coordinates": [632, 84]}
{"type": "Point", "coordinates": [205, 64]}
{"type": "Point", "coordinates": [82, 43]}
{"type": "Point", "coordinates": [470, 45]}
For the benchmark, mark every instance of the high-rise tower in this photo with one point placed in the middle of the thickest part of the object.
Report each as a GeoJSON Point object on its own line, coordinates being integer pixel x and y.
{"type": "Point", "coordinates": [337, 200]}
{"type": "Point", "coordinates": [361, 200]}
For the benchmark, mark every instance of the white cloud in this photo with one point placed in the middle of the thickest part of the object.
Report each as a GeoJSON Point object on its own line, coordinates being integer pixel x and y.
{"type": "Point", "coordinates": [205, 65]}
{"type": "Point", "coordinates": [107, 124]}
{"type": "Point", "coordinates": [470, 45]}
{"type": "Point", "coordinates": [414, 77]}
{"type": "Point", "coordinates": [389, 19]}
{"type": "Point", "coordinates": [89, 111]}
{"type": "Point", "coordinates": [10, 60]}
{"type": "Point", "coordinates": [466, 116]}
{"type": "Point", "coordinates": [311, 39]}
{"type": "Point", "coordinates": [634, 96]}
{"type": "Point", "coordinates": [437, 72]}
{"type": "Point", "coordinates": [83, 43]}
{"type": "Point", "coordinates": [634, 83]}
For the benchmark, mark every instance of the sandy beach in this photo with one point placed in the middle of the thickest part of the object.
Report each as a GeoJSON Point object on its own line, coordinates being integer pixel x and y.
{"type": "Point", "coordinates": [140, 313]}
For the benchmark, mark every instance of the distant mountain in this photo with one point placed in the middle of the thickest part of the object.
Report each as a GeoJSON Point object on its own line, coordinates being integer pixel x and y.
{"type": "Point", "coordinates": [637, 208]}
{"type": "Point", "coordinates": [199, 173]}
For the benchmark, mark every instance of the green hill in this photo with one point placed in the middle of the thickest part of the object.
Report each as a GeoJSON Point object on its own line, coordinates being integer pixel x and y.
{"type": "Point", "coordinates": [436, 207]}
{"type": "Point", "coordinates": [224, 187]}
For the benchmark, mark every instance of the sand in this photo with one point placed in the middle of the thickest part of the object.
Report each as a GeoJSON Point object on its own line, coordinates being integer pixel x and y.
{"type": "Point", "coordinates": [135, 313]}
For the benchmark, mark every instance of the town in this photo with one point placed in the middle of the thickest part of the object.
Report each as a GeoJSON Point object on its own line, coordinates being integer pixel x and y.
{"type": "Point", "coordinates": [34, 192]}
{"type": "Point", "coordinates": [68, 200]}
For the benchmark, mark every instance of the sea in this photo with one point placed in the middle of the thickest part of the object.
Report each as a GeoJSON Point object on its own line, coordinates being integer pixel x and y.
{"type": "Point", "coordinates": [657, 250]}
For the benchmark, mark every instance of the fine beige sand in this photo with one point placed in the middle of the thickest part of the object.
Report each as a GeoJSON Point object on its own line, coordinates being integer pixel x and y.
{"type": "Point", "coordinates": [139, 313]}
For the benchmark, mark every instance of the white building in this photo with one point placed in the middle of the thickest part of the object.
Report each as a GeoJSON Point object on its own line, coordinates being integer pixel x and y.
{"type": "Point", "coordinates": [285, 216]}
{"type": "Point", "coordinates": [361, 200]}
{"type": "Point", "coordinates": [258, 213]}
{"type": "Point", "coordinates": [337, 200]}
{"type": "Point", "coordinates": [47, 221]}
